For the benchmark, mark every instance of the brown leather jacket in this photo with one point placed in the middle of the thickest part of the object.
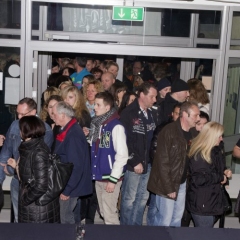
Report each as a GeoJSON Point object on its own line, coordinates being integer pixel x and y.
{"type": "Point", "coordinates": [169, 161]}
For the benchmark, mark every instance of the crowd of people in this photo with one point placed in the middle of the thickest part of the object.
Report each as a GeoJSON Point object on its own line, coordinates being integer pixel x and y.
{"type": "Point", "coordinates": [146, 140]}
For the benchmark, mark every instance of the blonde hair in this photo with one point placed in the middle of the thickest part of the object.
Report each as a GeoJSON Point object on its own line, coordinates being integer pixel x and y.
{"type": "Point", "coordinates": [67, 83]}
{"type": "Point", "coordinates": [206, 140]}
{"type": "Point", "coordinates": [80, 105]}
{"type": "Point", "coordinates": [97, 84]}
{"type": "Point", "coordinates": [46, 95]}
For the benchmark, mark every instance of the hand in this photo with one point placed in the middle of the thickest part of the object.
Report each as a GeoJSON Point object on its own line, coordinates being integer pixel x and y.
{"type": "Point", "coordinates": [63, 197]}
{"type": "Point", "coordinates": [4, 165]}
{"type": "Point", "coordinates": [172, 195]}
{"type": "Point", "coordinates": [228, 173]}
{"type": "Point", "coordinates": [85, 131]}
{"type": "Point", "coordinates": [12, 162]}
{"type": "Point", "coordinates": [138, 169]}
{"type": "Point", "coordinates": [2, 138]}
{"type": "Point", "coordinates": [225, 180]}
{"type": "Point", "coordinates": [110, 187]}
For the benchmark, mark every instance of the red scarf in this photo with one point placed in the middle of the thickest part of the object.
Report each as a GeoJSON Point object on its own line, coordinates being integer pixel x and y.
{"type": "Point", "coordinates": [61, 136]}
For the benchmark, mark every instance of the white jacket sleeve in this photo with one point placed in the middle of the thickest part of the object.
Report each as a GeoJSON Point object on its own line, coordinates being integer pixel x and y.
{"type": "Point", "coordinates": [121, 156]}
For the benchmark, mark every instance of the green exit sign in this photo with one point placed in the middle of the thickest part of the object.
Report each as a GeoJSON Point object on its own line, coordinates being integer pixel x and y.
{"type": "Point", "coordinates": [128, 13]}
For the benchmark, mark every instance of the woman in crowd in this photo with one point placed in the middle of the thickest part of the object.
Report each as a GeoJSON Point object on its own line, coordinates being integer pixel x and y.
{"type": "Point", "coordinates": [198, 92]}
{"type": "Point", "coordinates": [204, 118]}
{"type": "Point", "coordinates": [33, 164]}
{"type": "Point", "coordinates": [86, 80]}
{"type": "Point", "coordinates": [97, 73]}
{"type": "Point", "coordinates": [75, 99]}
{"type": "Point", "coordinates": [119, 91]}
{"type": "Point", "coordinates": [67, 71]}
{"type": "Point", "coordinates": [127, 99]}
{"type": "Point", "coordinates": [89, 93]}
{"type": "Point", "coordinates": [46, 94]}
{"type": "Point", "coordinates": [207, 174]}
{"type": "Point", "coordinates": [163, 87]}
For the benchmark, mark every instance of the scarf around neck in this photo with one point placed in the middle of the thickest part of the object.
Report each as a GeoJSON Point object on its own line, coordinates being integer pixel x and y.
{"type": "Point", "coordinates": [96, 123]}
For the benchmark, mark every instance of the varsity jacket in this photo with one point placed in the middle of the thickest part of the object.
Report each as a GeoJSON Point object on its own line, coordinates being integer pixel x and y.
{"type": "Point", "coordinates": [109, 153]}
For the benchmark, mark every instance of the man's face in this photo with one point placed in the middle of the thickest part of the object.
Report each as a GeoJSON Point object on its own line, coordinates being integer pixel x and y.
{"type": "Point", "coordinates": [107, 81]}
{"type": "Point", "coordinates": [201, 124]}
{"type": "Point", "coordinates": [114, 70]}
{"type": "Point", "coordinates": [193, 116]}
{"type": "Point", "coordinates": [175, 113]}
{"type": "Point", "coordinates": [182, 96]}
{"type": "Point", "coordinates": [90, 65]}
{"type": "Point", "coordinates": [100, 108]}
{"type": "Point", "coordinates": [24, 110]}
{"type": "Point", "coordinates": [137, 68]}
{"type": "Point", "coordinates": [56, 117]}
{"type": "Point", "coordinates": [149, 99]}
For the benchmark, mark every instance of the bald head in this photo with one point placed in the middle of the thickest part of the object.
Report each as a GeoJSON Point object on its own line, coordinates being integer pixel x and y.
{"type": "Point", "coordinates": [107, 80]}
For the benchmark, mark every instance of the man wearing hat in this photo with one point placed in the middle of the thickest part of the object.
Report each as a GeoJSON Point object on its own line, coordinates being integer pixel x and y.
{"type": "Point", "coordinates": [179, 94]}
{"type": "Point", "coordinates": [163, 87]}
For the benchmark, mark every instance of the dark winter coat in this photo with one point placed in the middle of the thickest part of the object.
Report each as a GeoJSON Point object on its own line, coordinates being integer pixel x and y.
{"type": "Point", "coordinates": [137, 140]}
{"type": "Point", "coordinates": [204, 195]}
{"type": "Point", "coordinates": [34, 163]}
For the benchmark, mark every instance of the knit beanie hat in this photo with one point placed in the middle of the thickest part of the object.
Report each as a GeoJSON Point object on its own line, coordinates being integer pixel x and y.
{"type": "Point", "coordinates": [164, 82]}
{"type": "Point", "coordinates": [179, 85]}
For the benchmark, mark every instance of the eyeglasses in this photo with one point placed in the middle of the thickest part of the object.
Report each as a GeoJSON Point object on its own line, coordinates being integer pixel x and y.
{"type": "Point", "coordinates": [23, 114]}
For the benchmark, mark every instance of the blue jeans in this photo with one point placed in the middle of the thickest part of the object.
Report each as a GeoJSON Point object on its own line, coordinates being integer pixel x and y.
{"type": "Point", "coordinates": [169, 211]}
{"type": "Point", "coordinates": [134, 197]}
{"type": "Point", "coordinates": [152, 210]}
{"type": "Point", "coordinates": [67, 210]}
{"type": "Point", "coordinates": [203, 221]}
{"type": "Point", "coordinates": [14, 197]}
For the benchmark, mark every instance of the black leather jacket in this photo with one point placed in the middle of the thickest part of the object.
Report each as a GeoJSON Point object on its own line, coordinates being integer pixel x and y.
{"type": "Point", "coordinates": [33, 163]}
{"type": "Point", "coordinates": [204, 194]}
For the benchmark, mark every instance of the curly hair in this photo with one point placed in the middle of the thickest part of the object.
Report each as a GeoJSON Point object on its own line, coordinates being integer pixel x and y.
{"type": "Point", "coordinates": [80, 105]}
{"type": "Point", "coordinates": [97, 84]}
{"type": "Point", "coordinates": [197, 91]}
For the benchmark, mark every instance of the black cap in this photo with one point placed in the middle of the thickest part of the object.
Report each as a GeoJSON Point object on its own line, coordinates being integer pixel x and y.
{"type": "Point", "coordinates": [179, 85]}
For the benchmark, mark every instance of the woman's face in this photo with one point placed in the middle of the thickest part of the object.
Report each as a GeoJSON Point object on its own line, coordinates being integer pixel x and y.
{"type": "Point", "coordinates": [65, 72]}
{"type": "Point", "coordinates": [91, 92]}
{"type": "Point", "coordinates": [70, 99]}
{"type": "Point", "coordinates": [97, 75]}
{"type": "Point", "coordinates": [219, 140]}
{"type": "Point", "coordinates": [201, 124]}
{"type": "Point", "coordinates": [131, 99]}
{"type": "Point", "coordinates": [120, 95]}
{"type": "Point", "coordinates": [164, 91]}
{"type": "Point", "coordinates": [51, 104]}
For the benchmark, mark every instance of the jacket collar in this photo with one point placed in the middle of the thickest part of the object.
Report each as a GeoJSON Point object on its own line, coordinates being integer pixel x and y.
{"type": "Point", "coordinates": [61, 136]}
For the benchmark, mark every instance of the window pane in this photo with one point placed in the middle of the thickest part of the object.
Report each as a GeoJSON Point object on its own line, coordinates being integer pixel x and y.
{"type": "Point", "coordinates": [235, 36]}
{"type": "Point", "coordinates": [10, 19]}
{"type": "Point", "coordinates": [10, 88]}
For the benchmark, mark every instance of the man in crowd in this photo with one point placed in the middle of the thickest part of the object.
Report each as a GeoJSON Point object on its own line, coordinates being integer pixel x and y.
{"type": "Point", "coordinates": [25, 107]}
{"type": "Point", "coordinates": [107, 80]}
{"type": "Point", "coordinates": [169, 170]}
{"type": "Point", "coordinates": [90, 64]}
{"type": "Point", "coordinates": [139, 123]}
{"type": "Point", "coordinates": [109, 155]}
{"type": "Point", "coordinates": [71, 145]}
{"type": "Point", "coordinates": [81, 71]}
{"type": "Point", "coordinates": [179, 94]}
